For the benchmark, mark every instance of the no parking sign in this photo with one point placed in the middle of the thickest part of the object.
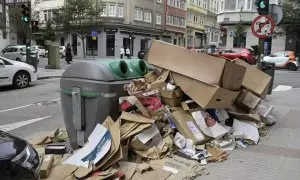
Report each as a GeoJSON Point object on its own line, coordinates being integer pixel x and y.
{"type": "Point", "coordinates": [263, 26]}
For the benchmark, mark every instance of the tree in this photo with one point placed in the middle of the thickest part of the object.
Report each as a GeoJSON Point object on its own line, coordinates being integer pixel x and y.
{"type": "Point", "coordinates": [291, 13]}
{"type": "Point", "coordinates": [49, 33]}
{"type": "Point", "coordinates": [80, 17]}
{"type": "Point", "coordinates": [239, 33]}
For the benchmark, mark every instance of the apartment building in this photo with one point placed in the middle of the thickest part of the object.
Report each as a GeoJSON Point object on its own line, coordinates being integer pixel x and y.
{"type": "Point", "coordinates": [3, 26]}
{"type": "Point", "coordinates": [175, 27]}
{"type": "Point", "coordinates": [211, 26]}
{"type": "Point", "coordinates": [195, 22]}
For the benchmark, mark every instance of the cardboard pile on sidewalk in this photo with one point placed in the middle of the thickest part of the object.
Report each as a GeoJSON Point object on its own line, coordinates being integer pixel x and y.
{"type": "Point", "coordinates": [197, 110]}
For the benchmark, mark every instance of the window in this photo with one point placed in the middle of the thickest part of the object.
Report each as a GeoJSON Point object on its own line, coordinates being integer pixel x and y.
{"type": "Point", "coordinates": [230, 4]}
{"type": "Point", "coordinates": [138, 14]}
{"type": "Point", "coordinates": [170, 20]}
{"type": "Point", "coordinates": [222, 6]}
{"type": "Point", "coordinates": [171, 2]}
{"type": "Point", "coordinates": [176, 21]}
{"type": "Point", "coordinates": [248, 4]}
{"type": "Point", "coordinates": [189, 16]}
{"type": "Point", "coordinates": [147, 16]}
{"type": "Point", "coordinates": [120, 11]}
{"type": "Point", "coordinates": [48, 15]}
{"type": "Point", "coordinates": [158, 19]}
{"type": "Point", "coordinates": [196, 18]}
{"type": "Point", "coordinates": [241, 4]}
{"type": "Point", "coordinates": [205, 4]}
{"type": "Point", "coordinates": [182, 5]}
{"type": "Point", "coordinates": [112, 10]}
{"type": "Point", "coordinates": [199, 3]}
{"type": "Point", "coordinates": [177, 3]}
{"type": "Point", "coordinates": [104, 11]}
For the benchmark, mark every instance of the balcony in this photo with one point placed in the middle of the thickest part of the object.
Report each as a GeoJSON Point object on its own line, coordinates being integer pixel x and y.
{"type": "Point", "coordinates": [233, 17]}
{"type": "Point", "coordinates": [196, 9]}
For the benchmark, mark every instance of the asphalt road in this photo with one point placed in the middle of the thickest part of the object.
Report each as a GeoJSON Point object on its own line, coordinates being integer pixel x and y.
{"type": "Point", "coordinates": [31, 111]}
{"type": "Point", "coordinates": [37, 110]}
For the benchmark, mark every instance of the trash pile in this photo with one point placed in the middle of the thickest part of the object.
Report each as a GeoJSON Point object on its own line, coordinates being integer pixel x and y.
{"type": "Point", "coordinates": [195, 109]}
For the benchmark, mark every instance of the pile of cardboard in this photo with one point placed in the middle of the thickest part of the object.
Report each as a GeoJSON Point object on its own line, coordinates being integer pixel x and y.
{"type": "Point", "coordinates": [194, 110]}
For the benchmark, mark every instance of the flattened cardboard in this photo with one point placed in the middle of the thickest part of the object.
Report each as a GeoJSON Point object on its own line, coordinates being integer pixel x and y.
{"type": "Point", "coordinates": [46, 165]}
{"type": "Point", "coordinates": [248, 99]}
{"type": "Point", "coordinates": [186, 125]}
{"type": "Point", "coordinates": [255, 80]}
{"type": "Point", "coordinates": [136, 130]}
{"type": "Point", "coordinates": [202, 67]}
{"type": "Point", "coordinates": [135, 118]}
{"type": "Point", "coordinates": [190, 106]}
{"type": "Point", "coordinates": [128, 168]}
{"type": "Point", "coordinates": [135, 101]}
{"type": "Point", "coordinates": [205, 95]}
{"type": "Point", "coordinates": [157, 174]}
{"type": "Point", "coordinates": [82, 172]}
{"type": "Point", "coordinates": [115, 145]}
{"type": "Point", "coordinates": [62, 171]}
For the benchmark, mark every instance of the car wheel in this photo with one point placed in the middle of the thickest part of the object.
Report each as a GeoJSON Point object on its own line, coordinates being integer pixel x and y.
{"type": "Point", "coordinates": [18, 59]}
{"type": "Point", "coordinates": [21, 80]}
{"type": "Point", "coordinates": [291, 67]}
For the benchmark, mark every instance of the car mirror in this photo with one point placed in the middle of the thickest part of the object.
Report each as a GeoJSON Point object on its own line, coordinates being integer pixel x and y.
{"type": "Point", "coordinates": [1, 64]}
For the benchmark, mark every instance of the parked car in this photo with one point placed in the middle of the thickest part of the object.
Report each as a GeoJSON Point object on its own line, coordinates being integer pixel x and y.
{"type": "Point", "coordinates": [61, 51]}
{"type": "Point", "coordinates": [16, 73]}
{"type": "Point", "coordinates": [18, 159]}
{"type": "Point", "coordinates": [18, 53]}
{"type": "Point", "coordinates": [142, 53]}
{"type": "Point", "coordinates": [40, 49]}
{"type": "Point", "coordinates": [284, 59]}
{"type": "Point", "coordinates": [241, 53]}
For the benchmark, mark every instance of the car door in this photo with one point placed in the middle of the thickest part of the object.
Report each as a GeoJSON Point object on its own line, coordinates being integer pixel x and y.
{"type": "Point", "coordinates": [6, 73]}
{"type": "Point", "coordinates": [280, 59]}
{"type": "Point", "coordinates": [7, 53]}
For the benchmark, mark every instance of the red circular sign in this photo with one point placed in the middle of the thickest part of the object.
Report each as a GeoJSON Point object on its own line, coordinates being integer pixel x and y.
{"type": "Point", "coordinates": [262, 26]}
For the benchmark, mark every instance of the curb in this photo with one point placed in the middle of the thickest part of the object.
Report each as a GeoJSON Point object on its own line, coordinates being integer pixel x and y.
{"type": "Point", "coordinates": [48, 77]}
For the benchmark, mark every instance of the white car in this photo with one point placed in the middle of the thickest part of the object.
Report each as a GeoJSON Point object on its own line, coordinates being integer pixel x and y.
{"type": "Point", "coordinates": [40, 49]}
{"type": "Point", "coordinates": [18, 53]}
{"type": "Point", "coordinates": [284, 59]}
{"type": "Point", "coordinates": [15, 73]}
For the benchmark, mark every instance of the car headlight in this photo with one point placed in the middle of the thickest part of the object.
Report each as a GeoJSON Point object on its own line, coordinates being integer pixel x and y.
{"type": "Point", "coordinates": [28, 159]}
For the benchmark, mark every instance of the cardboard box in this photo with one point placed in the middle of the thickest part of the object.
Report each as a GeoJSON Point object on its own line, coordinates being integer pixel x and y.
{"type": "Point", "coordinates": [248, 99]}
{"type": "Point", "coordinates": [255, 80]}
{"type": "Point", "coordinates": [171, 98]}
{"type": "Point", "coordinates": [46, 165]}
{"type": "Point", "coordinates": [187, 126]}
{"type": "Point", "coordinates": [208, 69]}
{"type": "Point", "coordinates": [236, 112]}
{"type": "Point", "coordinates": [190, 106]}
{"type": "Point", "coordinates": [207, 96]}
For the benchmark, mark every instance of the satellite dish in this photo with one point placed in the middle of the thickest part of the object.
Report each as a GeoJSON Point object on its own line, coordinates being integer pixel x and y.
{"type": "Point", "coordinates": [276, 13]}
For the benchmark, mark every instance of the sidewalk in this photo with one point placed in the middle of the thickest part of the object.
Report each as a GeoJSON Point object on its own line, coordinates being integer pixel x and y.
{"type": "Point", "coordinates": [277, 157]}
{"type": "Point", "coordinates": [49, 73]}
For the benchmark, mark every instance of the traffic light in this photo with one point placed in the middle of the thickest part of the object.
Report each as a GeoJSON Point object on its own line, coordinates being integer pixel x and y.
{"type": "Point", "coordinates": [262, 7]}
{"type": "Point", "coordinates": [25, 13]}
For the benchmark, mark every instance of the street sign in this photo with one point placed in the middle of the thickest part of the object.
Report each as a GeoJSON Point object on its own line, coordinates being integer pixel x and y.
{"type": "Point", "coordinates": [262, 26]}
{"type": "Point", "coordinates": [94, 33]}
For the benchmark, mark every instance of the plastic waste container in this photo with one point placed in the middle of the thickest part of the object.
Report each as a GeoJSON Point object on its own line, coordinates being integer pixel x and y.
{"type": "Point", "coordinates": [269, 68]}
{"type": "Point", "coordinates": [90, 92]}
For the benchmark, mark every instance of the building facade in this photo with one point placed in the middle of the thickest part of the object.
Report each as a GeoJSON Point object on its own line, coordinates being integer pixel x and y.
{"type": "Point", "coordinates": [196, 19]}
{"type": "Point", "coordinates": [175, 26]}
{"type": "Point", "coordinates": [211, 26]}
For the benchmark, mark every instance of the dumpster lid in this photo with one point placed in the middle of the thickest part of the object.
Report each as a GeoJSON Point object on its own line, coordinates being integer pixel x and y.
{"type": "Point", "coordinates": [90, 71]}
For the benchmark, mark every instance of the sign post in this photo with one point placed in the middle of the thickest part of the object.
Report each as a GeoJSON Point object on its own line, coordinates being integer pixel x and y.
{"type": "Point", "coordinates": [262, 27]}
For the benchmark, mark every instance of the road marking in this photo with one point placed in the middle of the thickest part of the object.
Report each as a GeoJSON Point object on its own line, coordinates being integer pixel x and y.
{"type": "Point", "coordinates": [11, 109]}
{"type": "Point", "coordinates": [25, 106]}
{"type": "Point", "coordinates": [13, 126]}
{"type": "Point", "coordinates": [58, 99]}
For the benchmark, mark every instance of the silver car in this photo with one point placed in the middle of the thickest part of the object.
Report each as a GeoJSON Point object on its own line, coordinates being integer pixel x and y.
{"type": "Point", "coordinates": [18, 53]}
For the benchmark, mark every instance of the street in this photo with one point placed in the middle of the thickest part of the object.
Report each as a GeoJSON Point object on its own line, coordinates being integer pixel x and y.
{"type": "Point", "coordinates": [30, 111]}
{"type": "Point", "coordinates": [37, 109]}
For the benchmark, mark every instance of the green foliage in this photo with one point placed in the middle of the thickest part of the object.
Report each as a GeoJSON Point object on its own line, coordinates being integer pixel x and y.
{"type": "Point", "coordinates": [78, 16]}
{"type": "Point", "coordinates": [291, 12]}
{"type": "Point", "coordinates": [49, 33]}
{"type": "Point", "coordinates": [16, 24]}
{"type": "Point", "coordinates": [240, 30]}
